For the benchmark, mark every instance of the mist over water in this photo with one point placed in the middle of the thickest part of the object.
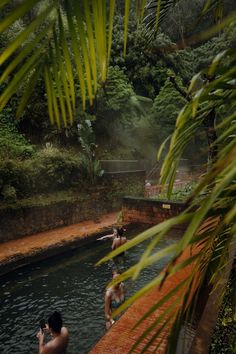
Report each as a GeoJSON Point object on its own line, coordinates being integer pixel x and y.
{"type": "Point", "coordinates": [141, 138]}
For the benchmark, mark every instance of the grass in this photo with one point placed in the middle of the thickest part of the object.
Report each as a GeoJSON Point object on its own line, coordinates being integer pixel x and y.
{"type": "Point", "coordinates": [70, 195]}
{"type": "Point", "coordinates": [178, 193]}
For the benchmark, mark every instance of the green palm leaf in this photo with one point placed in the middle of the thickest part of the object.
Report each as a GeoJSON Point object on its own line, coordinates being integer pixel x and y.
{"type": "Point", "coordinates": [79, 49]}
{"type": "Point", "coordinates": [211, 226]}
{"type": "Point", "coordinates": [18, 12]}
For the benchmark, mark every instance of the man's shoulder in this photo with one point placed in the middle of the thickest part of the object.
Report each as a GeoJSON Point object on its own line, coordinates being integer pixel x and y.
{"type": "Point", "coordinates": [50, 347]}
{"type": "Point", "coordinates": [64, 331]}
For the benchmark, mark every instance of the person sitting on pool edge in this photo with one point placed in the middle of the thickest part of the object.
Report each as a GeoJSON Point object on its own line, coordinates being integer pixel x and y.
{"type": "Point", "coordinates": [112, 236]}
{"type": "Point", "coordinates": [114, 297]}
{"type": "Point", "coordinates": [59, 333]}
{"type": "Point", "coordinates": [119, 240]}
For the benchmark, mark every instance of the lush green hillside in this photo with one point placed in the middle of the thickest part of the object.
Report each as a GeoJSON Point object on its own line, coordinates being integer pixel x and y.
{"type": "Point", "coordinates": [131, 115]}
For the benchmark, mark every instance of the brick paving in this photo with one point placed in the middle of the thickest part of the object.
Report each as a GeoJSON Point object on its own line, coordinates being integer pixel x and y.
{"type": "Point", "coordinates": [120, 338]}
{"type": "Point", "coordinates": [44, 240]}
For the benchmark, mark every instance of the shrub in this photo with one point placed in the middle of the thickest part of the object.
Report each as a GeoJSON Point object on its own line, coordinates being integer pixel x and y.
{"type": "Point", "coordinates": [9, 194]}
{"type": "Point", "coordinates": [56, 169]}
{"type": "Point", "coordinates": [51, 169]}
{"type": "Point", "coordinates": [12, 143]}
{"type": "Point", "coordinates": [91, 168]}
{"type": "Point", "coordinates": [16, 174]}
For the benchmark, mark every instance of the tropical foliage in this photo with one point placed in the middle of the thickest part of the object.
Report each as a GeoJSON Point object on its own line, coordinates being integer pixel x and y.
{"type": "Point", "coordinates": [165, 108]}
{"type": "Point", "coordinates": [213, 200]}
{"type": "Point", "coordinates": [84, 27]}
{"type": "Point", "coordinates": [48, 170]}
{"type": "Point", "coordinates": [90, 164]}
{"type": "Point", "coordinates": [12, 144]}
{"type": "Point", "coordinates": [64, 34]}
{"type": "Point", "coordinates": [225, 331]}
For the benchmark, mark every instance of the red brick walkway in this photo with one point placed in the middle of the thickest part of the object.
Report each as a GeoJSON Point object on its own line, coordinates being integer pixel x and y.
{"type": "Point", "coordinates": [43, 240]}
{"type": "Point", "coordinates": [120, 337]}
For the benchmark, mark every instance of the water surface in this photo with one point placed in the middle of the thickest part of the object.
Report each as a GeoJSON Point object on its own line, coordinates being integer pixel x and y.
{"type": "Point", "coordinates": [69, 283]}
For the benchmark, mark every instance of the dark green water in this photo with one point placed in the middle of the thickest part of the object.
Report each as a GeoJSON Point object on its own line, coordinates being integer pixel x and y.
{"type": "Point", "coordinates": [69, 283]}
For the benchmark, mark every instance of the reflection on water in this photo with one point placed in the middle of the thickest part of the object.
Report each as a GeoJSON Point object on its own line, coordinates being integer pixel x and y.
{"type": "Point", "coordinates": [69, 283]}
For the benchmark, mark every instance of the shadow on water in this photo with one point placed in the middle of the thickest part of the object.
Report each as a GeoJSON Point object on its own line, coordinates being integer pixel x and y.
{"type": "Point", "coordinates": [69, 283]}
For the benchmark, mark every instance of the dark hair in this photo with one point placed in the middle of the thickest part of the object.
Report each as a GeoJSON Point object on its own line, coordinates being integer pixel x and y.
{"type": "Point", "coordinates": [55, 322]}
{"type": "Point", "coordinates": [120, 231]}
{"type": "Point", "coordinates": [115, 271]}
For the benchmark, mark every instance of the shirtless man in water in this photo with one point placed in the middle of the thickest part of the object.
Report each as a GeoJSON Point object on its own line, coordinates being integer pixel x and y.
{"type": "Point", "coordinates": [60, 336]}
{"type": "Point", "coordinates": [119, 240]}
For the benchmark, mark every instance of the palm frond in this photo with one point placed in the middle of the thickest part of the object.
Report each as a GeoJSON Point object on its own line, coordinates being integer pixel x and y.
{"type": "Point", "coordinates": [74, 39]}
{"type": "Point", "coordinates": [210, 230]}
{"type": "Point", "coordinates": [65, 46]}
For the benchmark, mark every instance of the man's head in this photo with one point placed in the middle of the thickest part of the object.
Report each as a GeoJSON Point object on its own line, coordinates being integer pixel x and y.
{"type": "Point", "coordinates": [115, 274]}
{"type": "Point", "coordinates": [120, 231]}
{"type": "Point", "coordinates": [115, 231]}
{"type": "Point", "coordinates": [55, 322]}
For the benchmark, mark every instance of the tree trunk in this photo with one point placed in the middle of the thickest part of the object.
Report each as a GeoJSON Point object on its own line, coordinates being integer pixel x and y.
{"type": "Point", "coordinates": [211, 137]}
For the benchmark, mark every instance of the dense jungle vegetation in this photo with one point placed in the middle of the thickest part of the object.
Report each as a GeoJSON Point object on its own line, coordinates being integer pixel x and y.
{"type": "Point", "coordinates": [141, 98]}
{"type": "Point", "coordinates": [138, 104]}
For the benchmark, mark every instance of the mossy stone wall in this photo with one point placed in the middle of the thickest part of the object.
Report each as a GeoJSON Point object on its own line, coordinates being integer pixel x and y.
{"type": "Point", "coordinates": [18, 220]}
{"type": "Point", "coordinates": [149, 211]}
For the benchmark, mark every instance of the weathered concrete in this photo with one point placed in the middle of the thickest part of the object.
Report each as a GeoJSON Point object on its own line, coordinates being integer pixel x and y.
{"type": "Point", "coordinates": [144, 210]}
{"type": "Point", "coordinates": [18, 220]}
{"type": "Point", "coordinates": [17, 253]}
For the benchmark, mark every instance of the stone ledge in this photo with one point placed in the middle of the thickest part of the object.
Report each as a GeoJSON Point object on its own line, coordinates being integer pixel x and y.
{"type": "Point", "coordinates": [150, 211]}
{"type": "Point", "coordinates": [18, 253]}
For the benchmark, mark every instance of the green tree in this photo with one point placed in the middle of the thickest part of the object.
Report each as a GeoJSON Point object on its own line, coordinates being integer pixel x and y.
{"type": "Point", "coordinates": [211, 209]}
{"type": "Point", "coordinates": [145, 68]}
{"type": "Point", "coordinates": [213, 200]}
{"type": "Point", "coordinates": [167, 104]}
{"type": "Point", "coordinates": [118, 112]}
{"type": "Point", "coordinates": [90, 164]}
{"type": "Point", "coordinates": [12, 143]}
{"type": "Point", "coordinates": [115, 94]}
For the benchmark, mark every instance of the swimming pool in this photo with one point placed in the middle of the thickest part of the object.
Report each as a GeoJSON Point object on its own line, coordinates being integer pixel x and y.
{"type": "Point", "coordinates": [69, 283]}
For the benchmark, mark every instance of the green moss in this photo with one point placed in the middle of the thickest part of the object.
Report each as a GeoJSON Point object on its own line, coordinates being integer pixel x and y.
{"type": "Point", "coordinates": [67, 196]}
{"type": "Point", "coordinates": [178, 194]}
{"type": "Point", "coordinates": [224, 337]}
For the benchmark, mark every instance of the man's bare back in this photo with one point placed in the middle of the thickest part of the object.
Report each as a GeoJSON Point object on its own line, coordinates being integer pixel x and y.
{"type": "Point", "coordinates": [58, 344]}
{"type": "Point", "coordinates": [59, 333]}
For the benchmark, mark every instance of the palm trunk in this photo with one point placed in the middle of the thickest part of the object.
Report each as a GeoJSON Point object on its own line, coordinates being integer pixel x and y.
{"type": "Point", "coordinates": [211, 137]}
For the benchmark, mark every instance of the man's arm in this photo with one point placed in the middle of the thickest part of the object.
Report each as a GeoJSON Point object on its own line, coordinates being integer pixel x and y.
{"type": "Point", "coordinates": [43, 348]}
{"type": "Point", "coordinates": [107, 306]}
{"type": "Point", "coordinates": [104, 237]}
{"type": "Point", "coordinates": [113, 247]}
{"type": "Point", "coordinates": [109, 320]}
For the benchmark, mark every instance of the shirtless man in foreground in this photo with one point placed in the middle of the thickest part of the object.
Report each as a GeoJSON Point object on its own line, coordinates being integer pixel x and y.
{"type": "Point", "coordinates": [60, 336]}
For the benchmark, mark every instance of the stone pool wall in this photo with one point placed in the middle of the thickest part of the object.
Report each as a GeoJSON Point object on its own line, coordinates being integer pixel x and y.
{"type": "Point", "coordinates": [148, 211]}
{"type": "Point", "coordinates": [18, 220]}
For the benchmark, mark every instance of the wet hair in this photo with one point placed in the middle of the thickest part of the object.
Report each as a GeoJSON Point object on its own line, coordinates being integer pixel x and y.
{"type": "Point", "coordinates": [120, 231]}
{"type": "Point", "coordinates": [115, 271]}
{"type": "Point", "coordinates": [55, 322]}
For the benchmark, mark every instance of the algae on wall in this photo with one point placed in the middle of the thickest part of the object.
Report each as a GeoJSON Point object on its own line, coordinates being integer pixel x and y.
{"type": "Point", "coordinates": [47, 212]}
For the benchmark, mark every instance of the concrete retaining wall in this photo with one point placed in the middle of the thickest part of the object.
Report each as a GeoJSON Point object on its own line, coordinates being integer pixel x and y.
{"type": "Point", "coordinates": [148, 211]}
{"type": "Point", "coordinates": [17, 221]}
